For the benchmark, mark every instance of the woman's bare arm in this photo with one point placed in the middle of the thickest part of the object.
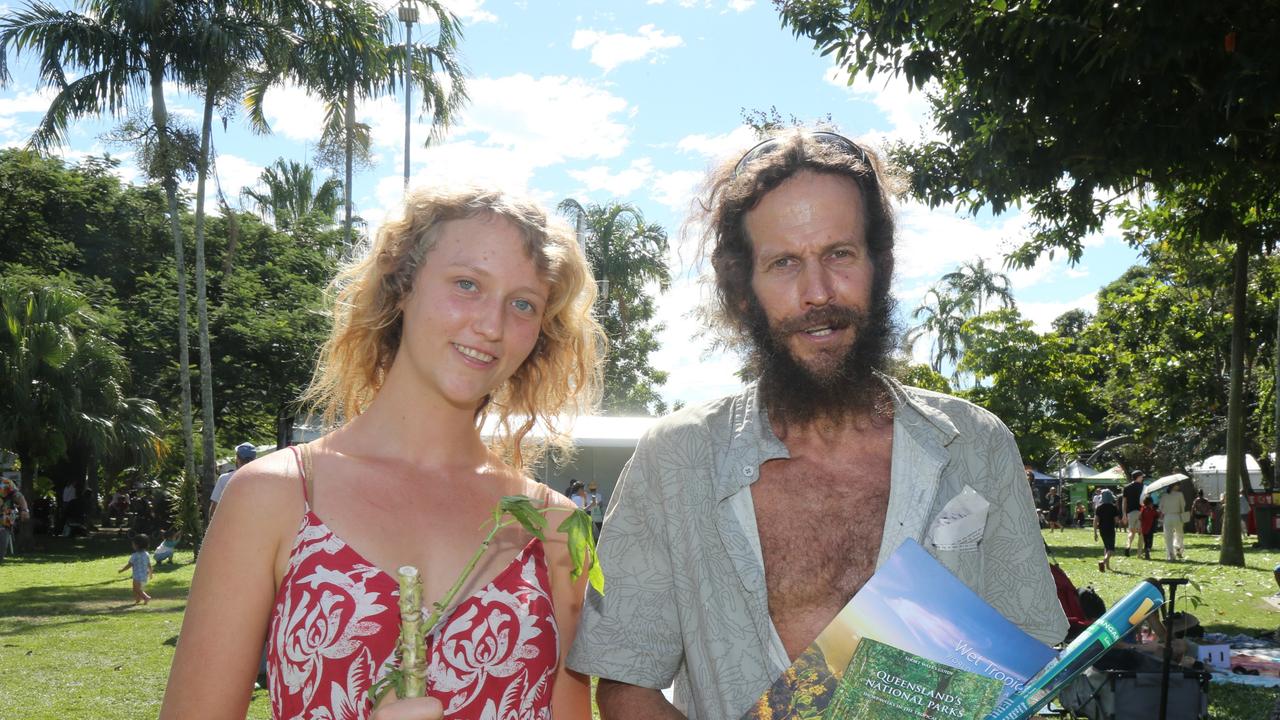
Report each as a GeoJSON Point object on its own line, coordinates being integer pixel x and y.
{"type": "Point", "coordinates": [229, 606]}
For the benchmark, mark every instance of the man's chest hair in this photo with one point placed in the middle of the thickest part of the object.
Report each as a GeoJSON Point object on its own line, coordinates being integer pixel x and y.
{"type": "Point", "coordinates": [820, 526]}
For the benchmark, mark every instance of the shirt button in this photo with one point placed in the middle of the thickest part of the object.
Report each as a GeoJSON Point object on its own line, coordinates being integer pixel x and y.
{"type": "Point", "coordinates": [748, 471]}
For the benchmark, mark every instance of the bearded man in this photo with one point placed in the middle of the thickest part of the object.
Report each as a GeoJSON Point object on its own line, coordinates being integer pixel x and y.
{"type": "Point", "coordinates": [742, 526]}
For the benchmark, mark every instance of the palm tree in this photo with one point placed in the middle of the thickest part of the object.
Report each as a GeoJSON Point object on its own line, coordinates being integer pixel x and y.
{"type": "Point", "coordinates": [61, 383]}
{"type": "Point", "coordinates": [346, 55]}
{"type": "Point", "coordinates": [119, 49]}
{"type": "Point", "coordinates": [975, 283]}
{"type": "Point", "coordinates": [943, 319]}
{"type": "Point", "coordinates": [627, 256]}
{"type": "Point", "coordinates": [235, 39]}
{"type": "Point", "coordinates": [290, 196]}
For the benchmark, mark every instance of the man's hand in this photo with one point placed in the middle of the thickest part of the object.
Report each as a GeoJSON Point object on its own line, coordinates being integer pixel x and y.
{"type": "Point", "coordinates": [620, 701]}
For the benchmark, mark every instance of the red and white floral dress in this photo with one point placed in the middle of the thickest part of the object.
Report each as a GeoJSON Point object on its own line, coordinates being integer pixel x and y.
{"type": "Point", "coordinates": [336, 620]}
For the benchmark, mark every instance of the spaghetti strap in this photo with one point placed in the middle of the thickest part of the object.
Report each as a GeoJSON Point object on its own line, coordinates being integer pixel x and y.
{"type": "Point", "coordinates": [302, 472]}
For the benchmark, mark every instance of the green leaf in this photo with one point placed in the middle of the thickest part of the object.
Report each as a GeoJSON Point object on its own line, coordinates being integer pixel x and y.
{"type": "Point", "coordinates": [522, 510]}
{"type": "Point", "coordinates": [393, 679]}
{"type": "Point", "coordinates": [582, 548]}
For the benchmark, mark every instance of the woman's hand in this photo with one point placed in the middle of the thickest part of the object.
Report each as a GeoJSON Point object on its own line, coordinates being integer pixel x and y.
{"type": "Point", "coordinates": [413, 709]}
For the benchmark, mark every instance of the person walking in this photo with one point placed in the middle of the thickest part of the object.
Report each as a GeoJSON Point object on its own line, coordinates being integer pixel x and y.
{"type": "Point", "coordinates": [1200, 510]}
{"type": "Point", "coordinates": [140, 562]}
{"type": "Point", "coordinates": [1104, 526]}
{"type": "Point", "coordinates": [1131, 509]}
{"type": "Point", "coordinates": [1173, 508]}
{"type": "Point", "coordinates": [1147, 517]}
{"type": "Point", "coordinates": [11, 502]}
{"type": "Point", "coordinates": [1054, 509]}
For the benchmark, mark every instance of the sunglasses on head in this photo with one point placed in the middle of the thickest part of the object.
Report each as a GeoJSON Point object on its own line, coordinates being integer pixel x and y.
{"type": "Point", "coordinates": [824, 137]}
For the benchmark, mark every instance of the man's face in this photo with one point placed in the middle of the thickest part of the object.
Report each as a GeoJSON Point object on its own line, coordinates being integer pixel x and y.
{"type": "Point", "coordinates": [811, 273]}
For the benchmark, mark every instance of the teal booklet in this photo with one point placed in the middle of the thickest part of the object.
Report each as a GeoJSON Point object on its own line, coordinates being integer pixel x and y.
{"type": "Point", "coordinates": [916, 642]}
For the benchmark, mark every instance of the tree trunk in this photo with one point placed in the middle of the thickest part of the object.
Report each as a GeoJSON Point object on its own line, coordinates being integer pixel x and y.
{"type": "Point", "coordinates": [350, 112]}
{"type": "Point", "coordinates": [1275, 392]}
{"type": "Point", "coordinates": [233, 237]}
{"type": "Point", "coordinates": [160, 117]}
{"type": "Point", "coordinates": [208, 469]}
{"type": "Point", "coordinates": [284, 427]}
{"type": "Point", "coordinates": [1232, 552]}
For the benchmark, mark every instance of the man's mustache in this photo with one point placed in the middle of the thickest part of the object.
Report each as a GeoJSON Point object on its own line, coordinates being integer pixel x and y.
{"type": "Point", "coordinates": [836, 317]}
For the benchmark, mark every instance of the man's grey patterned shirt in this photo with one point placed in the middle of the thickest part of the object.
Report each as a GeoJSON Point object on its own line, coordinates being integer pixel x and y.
{"type": "Point", "coordinates": [685, 595]}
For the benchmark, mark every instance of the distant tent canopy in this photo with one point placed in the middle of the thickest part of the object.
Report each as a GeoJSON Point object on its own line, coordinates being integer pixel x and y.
{"type": "Point", "coordinates": [1075, 470]}
{"type": "Point", "coordinates": [1041, 477]}
{"type": "Point", "coordinates": [1211, 474]}
{"type": "Point", "coordinates": [1113, 476]}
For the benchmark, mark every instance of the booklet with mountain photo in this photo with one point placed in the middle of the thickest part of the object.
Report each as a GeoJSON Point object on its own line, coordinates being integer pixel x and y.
{"type": "Point", "coordinates": [915, 642]}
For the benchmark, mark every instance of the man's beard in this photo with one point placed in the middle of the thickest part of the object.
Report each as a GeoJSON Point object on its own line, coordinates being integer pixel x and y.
{"type": "Point", "coordinates": [835, 386]}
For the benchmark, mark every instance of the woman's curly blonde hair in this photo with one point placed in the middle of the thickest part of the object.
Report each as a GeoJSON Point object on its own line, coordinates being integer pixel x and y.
{"type": "Point", "coordinates": [560, 377]}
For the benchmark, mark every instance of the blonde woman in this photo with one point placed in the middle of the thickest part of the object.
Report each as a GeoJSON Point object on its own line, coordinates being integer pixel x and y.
{"type": "Point", "coordinates": [470, 306]}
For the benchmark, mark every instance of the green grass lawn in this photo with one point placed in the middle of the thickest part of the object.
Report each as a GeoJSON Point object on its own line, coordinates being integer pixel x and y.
{"type": "Point", "coordinates": [73, 645]}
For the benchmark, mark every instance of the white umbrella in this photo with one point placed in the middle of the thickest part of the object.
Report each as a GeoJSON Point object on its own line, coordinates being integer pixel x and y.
{"type": "Point", "coordinates": [1163, 483]}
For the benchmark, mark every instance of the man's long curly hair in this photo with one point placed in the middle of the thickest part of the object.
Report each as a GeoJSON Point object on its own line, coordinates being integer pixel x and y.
{"type": "Point", "coordinates": [561, 377]}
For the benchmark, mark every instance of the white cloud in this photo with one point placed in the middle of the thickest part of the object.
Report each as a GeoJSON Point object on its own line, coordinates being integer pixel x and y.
{"type": "Point", "coordinates": [906, 110]}
{"type": "Point", "coordinates": [696, 373]}
{"type": "Point", "coordinates": [190, 115]}
{"type": "Point", "coordinates": [609, 50]}
{"type": "Point", "coordinates": [734, 5]}
{"type": "Point", "coordinates": [512, 127]}
{"type": "Point", "coordinates": [234, 174]}
{"type": "Point", "coordinates": [549, 118]}
{"type": "Point", "coordinates": [1042, 314]}
{"type": "Point", "coordinates": [618, 184]}
{"type": "Point", "coordinates": [530, 122]}
{"type": "Point", "coordinates": [676, 189]}
{"type": "Point", "coordinates": [14, 130]}
{"type": "Point", "coordinates": [125, 170]}
{"type": "Point", "coordinates": [26, 102]}
{"type": "Point", "coordinates": [931, 242]}
{"type": "Point", "coordinates": [293, 113]}
{"type": "Point", "coordinates": [718, 147]}
{"type": "Point", "coordinates": [472, 11]}
{"type": "Point", "coordinates": [469, 11]}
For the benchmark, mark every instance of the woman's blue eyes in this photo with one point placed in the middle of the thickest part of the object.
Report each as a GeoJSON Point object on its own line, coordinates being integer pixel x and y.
{"type": "Point", "coordinates": [521, 304]}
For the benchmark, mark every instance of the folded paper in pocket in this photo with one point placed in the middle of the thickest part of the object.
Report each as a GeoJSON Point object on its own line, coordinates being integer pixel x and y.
{"type": "Point", "coordinates": [960, 524]}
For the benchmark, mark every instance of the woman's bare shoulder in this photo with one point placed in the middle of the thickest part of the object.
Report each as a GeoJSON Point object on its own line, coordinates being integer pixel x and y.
{"type": "Point", "coordinates": [542, 494]}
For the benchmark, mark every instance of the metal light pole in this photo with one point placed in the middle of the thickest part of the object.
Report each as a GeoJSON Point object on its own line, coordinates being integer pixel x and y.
{"type": "Point", "coordinates": [408, 12]}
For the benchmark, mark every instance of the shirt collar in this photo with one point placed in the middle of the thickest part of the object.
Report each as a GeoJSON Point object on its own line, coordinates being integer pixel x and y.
{"type": "Point", "coordinates": [752, 441]}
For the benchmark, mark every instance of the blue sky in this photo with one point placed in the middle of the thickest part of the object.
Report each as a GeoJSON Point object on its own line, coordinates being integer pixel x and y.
{"type": "Point", "coordinates": [630, 102]}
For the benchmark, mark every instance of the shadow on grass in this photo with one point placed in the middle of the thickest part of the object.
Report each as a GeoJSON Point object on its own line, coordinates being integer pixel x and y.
{"type": "Point", "coordinates": [79, 603]}
{"type": "Point", "coordinates": [96, 546]}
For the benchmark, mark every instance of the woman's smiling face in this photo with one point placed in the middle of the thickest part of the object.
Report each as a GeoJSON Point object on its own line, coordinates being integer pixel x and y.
{"type": "Point", "coordinates": [475, 310]}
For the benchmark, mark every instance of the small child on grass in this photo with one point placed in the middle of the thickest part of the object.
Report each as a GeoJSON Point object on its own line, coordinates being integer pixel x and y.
{"type": "Point", "coordinates": [140, 561]}
{"type": "Point", "coordinates": [164, 551]}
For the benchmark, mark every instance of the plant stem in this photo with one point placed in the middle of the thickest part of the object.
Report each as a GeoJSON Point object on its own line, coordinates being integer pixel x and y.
{"type": "Point", "coordinates": [438, 608]}
{"type": "Point", "coordinates": [413, 656]}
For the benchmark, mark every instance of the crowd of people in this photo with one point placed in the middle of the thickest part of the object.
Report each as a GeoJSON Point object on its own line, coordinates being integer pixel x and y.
{"type": "Point", "coordinates": [1138, 513]}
